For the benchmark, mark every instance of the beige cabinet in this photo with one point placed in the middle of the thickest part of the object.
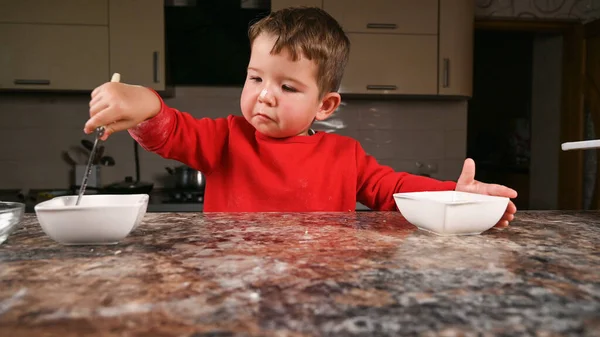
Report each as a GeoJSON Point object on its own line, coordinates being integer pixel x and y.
{"type": "Point", "coordinates": [78, 44]}
{"type": "Point", "coordinates": [456, 48]}
{"type": "Point", "coordinates": [385, 16]}
{"type": "Point", "coordinates": [408, 65]}
{"type": "Point", "coordinates": [279, 4]}
{"type": "Point", "coordinates": [74, 12]}
{"type": "Point", "coordinates": [405, 47]}
{"type": "Point", "coordinates": [56, 57]}
{"type": "Point", "coordinates": [137, 41]}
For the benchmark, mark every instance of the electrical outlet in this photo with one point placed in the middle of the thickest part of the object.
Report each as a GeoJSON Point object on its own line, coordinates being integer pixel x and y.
{"type": "Point", "coordinates": [426, 168]}
{"type": "Point", "coordinates": [432, 167]}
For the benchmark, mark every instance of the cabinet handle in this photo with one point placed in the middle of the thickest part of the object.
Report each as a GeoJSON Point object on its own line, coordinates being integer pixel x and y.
{"type": "Point", "coordinates": [155, 66]}
{"type": "Point", "coordinates": [446, 80]}
{"type": "Point", "coordinates": [32, 82]}
{"type": "Point", "coordinates": [382, 25]}
{"type": "Point", "coordinates": [381, 87]}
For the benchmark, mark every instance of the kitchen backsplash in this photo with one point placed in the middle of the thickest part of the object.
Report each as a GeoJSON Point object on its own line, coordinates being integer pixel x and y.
{"type": "Point", "coordinates": [36, 129]}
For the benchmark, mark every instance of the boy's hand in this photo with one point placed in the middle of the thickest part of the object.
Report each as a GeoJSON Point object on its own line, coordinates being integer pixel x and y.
{"type": "Point", "coordinates": [119, 106]}
{"type": "Point", "coordinates": [467, 183]}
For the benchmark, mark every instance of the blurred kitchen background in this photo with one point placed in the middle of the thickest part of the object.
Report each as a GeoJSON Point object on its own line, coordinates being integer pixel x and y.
{"type": "Point", "coordinates": [429, 83]}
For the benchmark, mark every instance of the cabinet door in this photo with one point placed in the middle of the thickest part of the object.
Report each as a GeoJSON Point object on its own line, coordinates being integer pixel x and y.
{"type": "Point", "coordinates": [388, 16]}
{"type": "Point", "coordinates": [279, 4]}
{"type": "Point", "coordinates": [85, 12]}
{"type": "Point", "coordinates": [137, 41]}
{"type": "Point", "coordinates": [391, 64]}
{"type": "Point", "coordinates": [60, 57]}
{"type": "Point", "coordinates": [456, 48]}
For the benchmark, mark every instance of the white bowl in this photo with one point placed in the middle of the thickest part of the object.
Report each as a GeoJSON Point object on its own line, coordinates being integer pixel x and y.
{"type": "Point", "coordinates": [451, 212]}
{"type": "Point", "coordinates": [100, 219]}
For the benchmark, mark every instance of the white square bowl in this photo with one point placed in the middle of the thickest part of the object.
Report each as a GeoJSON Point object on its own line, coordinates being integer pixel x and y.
{"type": "Point", "coordinates": [451, 212]}
{"type": "Point", "coordinates": [100, 219]}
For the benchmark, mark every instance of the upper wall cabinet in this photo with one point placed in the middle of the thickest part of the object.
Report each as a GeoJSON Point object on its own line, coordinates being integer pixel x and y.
{"type": "Point", "coordinates": [52, 57]}
{"type": "Point", "coordinates": [53, 44]}
{"type": "Point", "coordinates": [404, 47]}
{"type": "Point", "coordinates": [279, 4]}
{"type": "Point", "coordinates": [76, 45]}
{"type": "Point", "coordinates": [385, 16]}
{"type": "Point", "coordinates": [137, 41]}
{"type": "Point", "coordinates": [73, 12]}
{"type": "Point", "coordinates": [456, 48]}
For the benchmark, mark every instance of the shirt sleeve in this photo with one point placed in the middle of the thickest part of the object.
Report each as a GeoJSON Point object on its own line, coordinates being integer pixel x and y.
{"type": "Point", "coordinates": [377, 183]}
{"type": "Point", "coordinates": [177, 135]}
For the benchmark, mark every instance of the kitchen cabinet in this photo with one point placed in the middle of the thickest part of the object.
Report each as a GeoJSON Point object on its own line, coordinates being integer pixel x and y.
{"type": "Point", "coordinates": [385, 16]}
{"type": "Point", "coordinates": [67, 12]}
{"type": "Point", "coordinates": [57, 57]}
{"type": "Point", "coordinates": [77, 44]}
{"type": "Point", "coordinates": [137, 41]}
{"type": "Point", "coordinates": [456, 48]}
{"type": "Point", "coordinates": [405, 47]}
{"type": "Point", "coordinates": [279, 4]}
{"type": "Point", "coordinates": [408, 65]}
{"type": "Point", "coordinates": [53, 44]}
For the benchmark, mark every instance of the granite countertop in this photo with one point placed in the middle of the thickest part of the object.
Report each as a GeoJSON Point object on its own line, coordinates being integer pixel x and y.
{"type": "Point", "coordinates": [319, 274]}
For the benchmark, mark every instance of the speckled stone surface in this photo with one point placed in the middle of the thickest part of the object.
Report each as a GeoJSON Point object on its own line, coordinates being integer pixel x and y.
{"type": "Point", "coordinates": [332, 274]}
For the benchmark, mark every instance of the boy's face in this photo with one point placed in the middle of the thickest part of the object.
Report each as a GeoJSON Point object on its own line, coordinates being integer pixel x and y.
{"type": "Point", "coordinates": [281, 97]}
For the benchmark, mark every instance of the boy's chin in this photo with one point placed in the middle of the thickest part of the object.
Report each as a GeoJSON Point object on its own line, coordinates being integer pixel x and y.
{"type": "Point", "coordinates": [274, 133]}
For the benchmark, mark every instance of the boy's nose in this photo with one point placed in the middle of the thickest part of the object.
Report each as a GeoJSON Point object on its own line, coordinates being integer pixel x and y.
{"type": "Point", "coordinates": [266, 97]}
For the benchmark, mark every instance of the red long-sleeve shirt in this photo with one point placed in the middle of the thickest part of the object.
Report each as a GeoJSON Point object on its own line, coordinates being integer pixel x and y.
{"type": "Point", "coordinates": [247, 171]}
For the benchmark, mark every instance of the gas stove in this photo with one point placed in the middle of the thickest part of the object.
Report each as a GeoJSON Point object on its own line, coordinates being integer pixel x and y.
{"type": "Point", "coordinates": [176, 200]}
{"type": "Point", "coordinates": [183, 197]}
{"type": "Point", "coordinates": [176, 196]}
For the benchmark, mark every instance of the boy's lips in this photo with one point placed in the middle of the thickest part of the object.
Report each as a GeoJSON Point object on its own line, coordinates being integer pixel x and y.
{"type": "Point", "coordinates": [263, 116]}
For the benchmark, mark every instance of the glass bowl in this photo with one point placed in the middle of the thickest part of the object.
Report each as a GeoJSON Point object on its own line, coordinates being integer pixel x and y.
{"type": "Point", "coordinates": [11, 214]}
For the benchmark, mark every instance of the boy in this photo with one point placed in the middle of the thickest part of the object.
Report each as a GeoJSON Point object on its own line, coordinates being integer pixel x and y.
{"type": "Point", "coordinates": [270, 159]}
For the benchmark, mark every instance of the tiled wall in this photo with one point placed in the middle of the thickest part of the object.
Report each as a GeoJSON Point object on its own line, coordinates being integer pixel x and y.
{"type": "Point", "coordinates": [36, 129]}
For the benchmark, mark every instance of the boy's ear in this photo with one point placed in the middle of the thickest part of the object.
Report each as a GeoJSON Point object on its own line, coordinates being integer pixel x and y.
{"type": "Point", "coordinates": [329, 104]}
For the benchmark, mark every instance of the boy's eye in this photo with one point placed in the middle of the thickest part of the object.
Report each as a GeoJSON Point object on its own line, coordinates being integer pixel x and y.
{"type": "Point", "coordinates": [288, 88]}
{"type": "Point", "coordinates": [255, 79]}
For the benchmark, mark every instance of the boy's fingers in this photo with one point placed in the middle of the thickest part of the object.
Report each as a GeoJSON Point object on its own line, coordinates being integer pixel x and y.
{"type": "Point", "coordinates": [98, 90]}
{"type": "Point", "coordinates": [95, 92]}
{"type": "Point", "coordinates": [95, 100]}
{"type": "Point", "coordinates": [511, 208]}
{"type": "Point", "coordinates": [92, 122]}
{"type": "Point", "coordinates": [102, 117]}
{"type": "Point", "coordinates": [500, 190]}
{"type": "Point", "coordinates": [97, 107]}
{"type": "Point", "coordinates": [508, 217]}
{"type": "Point", "coordinates": [501, 224]}
{"type": "Point", "coordinates": [115, 127]}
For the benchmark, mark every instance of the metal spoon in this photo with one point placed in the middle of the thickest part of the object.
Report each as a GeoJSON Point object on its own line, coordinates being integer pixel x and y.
{"type": "Point", "coordinates": [88, 169]}
{"type": "Point", "coordinates": [99, 133]}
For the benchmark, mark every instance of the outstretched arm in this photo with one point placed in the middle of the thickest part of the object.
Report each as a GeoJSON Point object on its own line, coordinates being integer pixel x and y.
{"type": "Point", "coordinates": [377, 183]}
{"type": "Point", "coordinates": [177, 135]}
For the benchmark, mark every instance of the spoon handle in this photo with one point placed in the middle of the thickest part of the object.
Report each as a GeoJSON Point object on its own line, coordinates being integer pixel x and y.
{"type": "Point", "coordinates": [99, 133]}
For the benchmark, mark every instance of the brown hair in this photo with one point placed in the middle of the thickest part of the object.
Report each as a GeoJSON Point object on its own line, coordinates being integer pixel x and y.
{"type": "Point", "coordinates": [312, 33]}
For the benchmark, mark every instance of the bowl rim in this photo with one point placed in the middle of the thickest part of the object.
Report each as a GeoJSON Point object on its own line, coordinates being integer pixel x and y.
{"type": "Point", "coordinates": [417, 196]}
{"type": "Point", "coordinates": [44, 205]}
{"type": "Point", "coordinates": [14, 205]}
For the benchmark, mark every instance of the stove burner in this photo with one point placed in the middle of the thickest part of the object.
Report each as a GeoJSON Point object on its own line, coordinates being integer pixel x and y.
{"type": "Point", "coordinates": [184, 197]}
